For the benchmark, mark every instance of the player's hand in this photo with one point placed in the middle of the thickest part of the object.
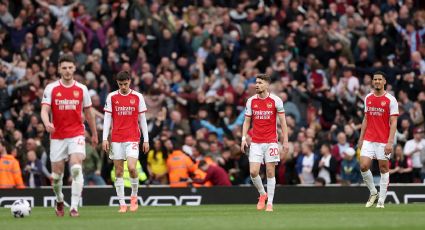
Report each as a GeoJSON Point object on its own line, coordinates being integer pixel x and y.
{"type": "Point", "coordinates": [388, 148]}
{"type": "Point", "coordinates": [285, 147]}
{"type": "Point", "coordinates": [360, 144]}
{"type": "Point", "coordinates": [145, 147]}
{"type": "Point", "coordinates": [50, 128]}
{"type": "Point", "coordinates": [94, 140]}
{"type": "Point", "coordinates": [244, 145]}
{"type": "Point", "coordinates": [105, 146]}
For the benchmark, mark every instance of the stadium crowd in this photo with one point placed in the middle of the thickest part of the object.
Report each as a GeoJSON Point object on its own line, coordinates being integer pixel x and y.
{"type": "Point", "coordinates": [195, 62]}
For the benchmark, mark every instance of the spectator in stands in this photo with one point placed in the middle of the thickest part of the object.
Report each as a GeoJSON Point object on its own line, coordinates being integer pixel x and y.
{"type": "Point", "coordinates": [400, 167]}
{"type": "Point", "coordinates": [157, 166]}
{"type": "Point", "coordinates": [350, 168]}
{"type": "Point", "coordinates": [306, 164]}
{"type": "Point", "coordinates": [214, 173]}
{"type": "Point", "coordinates": [10, 171]}
{"type": "Point", "coordinates": [413, 149]}
{"type": "Point", "coordinates": [179, 165]}
{"type": "Point", "coordinates": [327, 165]}
{"type": "Point", "coordinates": [33, 171]}
{"type": "Point", "coordinates": [92, 165]}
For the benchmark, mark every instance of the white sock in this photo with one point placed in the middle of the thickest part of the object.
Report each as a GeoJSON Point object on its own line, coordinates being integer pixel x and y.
{"type": "Point", "coordinates": [77, 185]}
{"type": "Point", "coordinates": [368, 180]}
{"type": "Point", "coordinates": [383, 186]}
{"type": "Point", "coordinates": [134, 186]}
{"type": "Point", "coordinates": [271, 184]}
{"type": "Point", "coordinates": [258, 184]}
{"type": "Point", "coordinates": [119, 187]}
{"type": "Point", "coordinates": [57, 186]}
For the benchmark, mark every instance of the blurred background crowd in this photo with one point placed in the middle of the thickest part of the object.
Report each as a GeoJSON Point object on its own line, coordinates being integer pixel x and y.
{"type": "Point", "coordinates": [195, 62]}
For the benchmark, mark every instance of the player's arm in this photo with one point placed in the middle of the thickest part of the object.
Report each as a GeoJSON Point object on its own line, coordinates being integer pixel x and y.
{"type": "Point", "coordinates": [362, 131]}
{"type": "Point", "coordinates": [106, 127]}
{"type": "Point", "coordinates": [88, 113]}
{"type": "Point", "coordinates": [245, 127]}
{"type": "Point", "coordinates": [144, 127]}
{"type": "Point", "coordinates": [45, 110]}
{"type": "Point", "coordinates": [284, 128]}
{"type": "Point", "coordinates": [393, 126]}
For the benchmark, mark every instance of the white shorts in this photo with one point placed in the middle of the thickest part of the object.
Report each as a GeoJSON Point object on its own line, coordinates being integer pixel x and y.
{"type": "Point", "coordinates": [264, 152]}
{"type": "Point", "coordinates": [374, 150]}
{"type": "Point", "coordinates": [123, 150]}
{"type": "Point", "coordinates": [60, 149]}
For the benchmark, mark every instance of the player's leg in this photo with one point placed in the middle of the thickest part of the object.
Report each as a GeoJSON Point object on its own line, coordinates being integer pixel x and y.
{"type": "Point", "coordinates": [134, 180]}
{"type": "Point", "coordinates": [77, 152]}
{"type": "Point", "coordinates": [271, 184]}
{"type": "Point", "coordinates": [366, 156]}
{"type": "Point", "coordinates": [57, 157]}
{"type": "Point", "coordinates": [385, 174]}
{"type": "Point", "coordinates": [272, 156]}
{"type": "Point", "coordinates": [255, 159]}
{"type": "Point", "coordinates": [118, 158]}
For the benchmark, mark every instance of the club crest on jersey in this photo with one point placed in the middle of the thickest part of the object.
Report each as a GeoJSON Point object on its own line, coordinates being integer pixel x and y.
{"type": "Point", "coordinates": [59, 94]}
{"type": "Point", "coordinates": [269, 105]}
{"type": "Point", "coordinates": [76, 93]}
{"type": "Point", "coordinates": [132, 101]}
{"type": "Point", "coordinates": [383, 103]}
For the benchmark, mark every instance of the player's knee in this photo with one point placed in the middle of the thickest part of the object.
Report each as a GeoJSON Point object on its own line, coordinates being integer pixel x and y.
{"type": "Point", "coordinates": [253, 173]}
{"type": "Point", "coordinates": [57, 177]}
{"type": "Point", "coordinates": [364, 167]}
{"type": "Point", "coordinates": [76, 171]}
{"type": "Point", "coordinates": [270, 173]}
{"type": "Point", "coordinates": [132, 171]}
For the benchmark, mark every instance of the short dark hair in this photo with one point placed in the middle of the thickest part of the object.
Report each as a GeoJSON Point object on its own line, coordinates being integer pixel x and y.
{"type": "Point", "coordinates": [202, 163]}
{"type": "Point", "coordinates": [380, 73]}
{"type": "Point", "coordinates": [264, 76]}
{"type": "Point", "coordinates": [123, 76]}
{"type": "Point", "coordinates": [66, 58]}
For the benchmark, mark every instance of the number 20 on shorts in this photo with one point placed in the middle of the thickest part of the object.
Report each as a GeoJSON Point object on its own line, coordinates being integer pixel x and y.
{"type": "Point", "coordinates": [273, 152]}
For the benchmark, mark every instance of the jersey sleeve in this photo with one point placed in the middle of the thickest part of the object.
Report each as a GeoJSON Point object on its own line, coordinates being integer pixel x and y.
{"type": "Point", "coordinates": [365, 103]}
{"type": "Point", "coordinates": [142, 104]}
{"type": "Point", "coordinates": [47, 96]}
{"type": "Point", "coordinates": [86, 97]}
{"type": "Point", "coordinates": [108, 104]}
{"type": "Point", "coordinates": [248, 108]}
{"type": "Point", "coordinates": [393, 107]}
{"type": "Point", "coordinates": [279, 105]}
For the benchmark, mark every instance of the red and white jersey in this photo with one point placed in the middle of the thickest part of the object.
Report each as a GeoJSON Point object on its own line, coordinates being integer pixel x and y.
{"type": "Point", "coordinates": [378, 111]}
{"type": "Point", "coordinates": [263, 112]}
{"type": "Point", "coordinates": [125, 110]}
{"type": "Point", "coordinates": [67, 103]}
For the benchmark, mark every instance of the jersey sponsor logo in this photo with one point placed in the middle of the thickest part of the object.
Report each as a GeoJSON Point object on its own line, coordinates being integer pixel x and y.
{"type": "Point", "coordinates": [124, 110]}
{"type": "Point", "coordinates": [262, 115]}
{"type": "Point", "coordinates": [383, 103]}
{"type": "Point", "coordinates": [375, 111]}
{"type": "Point", "coordinates": [76, 93]}
{"type": "Point", "coordinates": [269, 105]}
{"type": "Point", "coordinates": [66, 104]}
{"type": "Point", "coordinates": [132, 101]}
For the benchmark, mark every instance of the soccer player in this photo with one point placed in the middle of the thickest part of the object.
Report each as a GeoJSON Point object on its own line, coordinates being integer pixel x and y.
{"type": "Point", "coordinates": [125, 110]}
{"type": "Point", "coordinates": [66, 100]}
{"type": "Point", "coordinates": [377, 137]}
{"type": "Point", "coordinates": [262, 109]}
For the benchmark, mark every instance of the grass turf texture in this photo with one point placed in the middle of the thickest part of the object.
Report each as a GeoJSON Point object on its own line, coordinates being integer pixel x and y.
{"type": "Point", "coordinates": [314, 216]}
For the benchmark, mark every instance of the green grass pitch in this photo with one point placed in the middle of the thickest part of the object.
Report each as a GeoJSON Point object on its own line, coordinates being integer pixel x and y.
{"type": "Point", "coordinates": [217, 217]}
